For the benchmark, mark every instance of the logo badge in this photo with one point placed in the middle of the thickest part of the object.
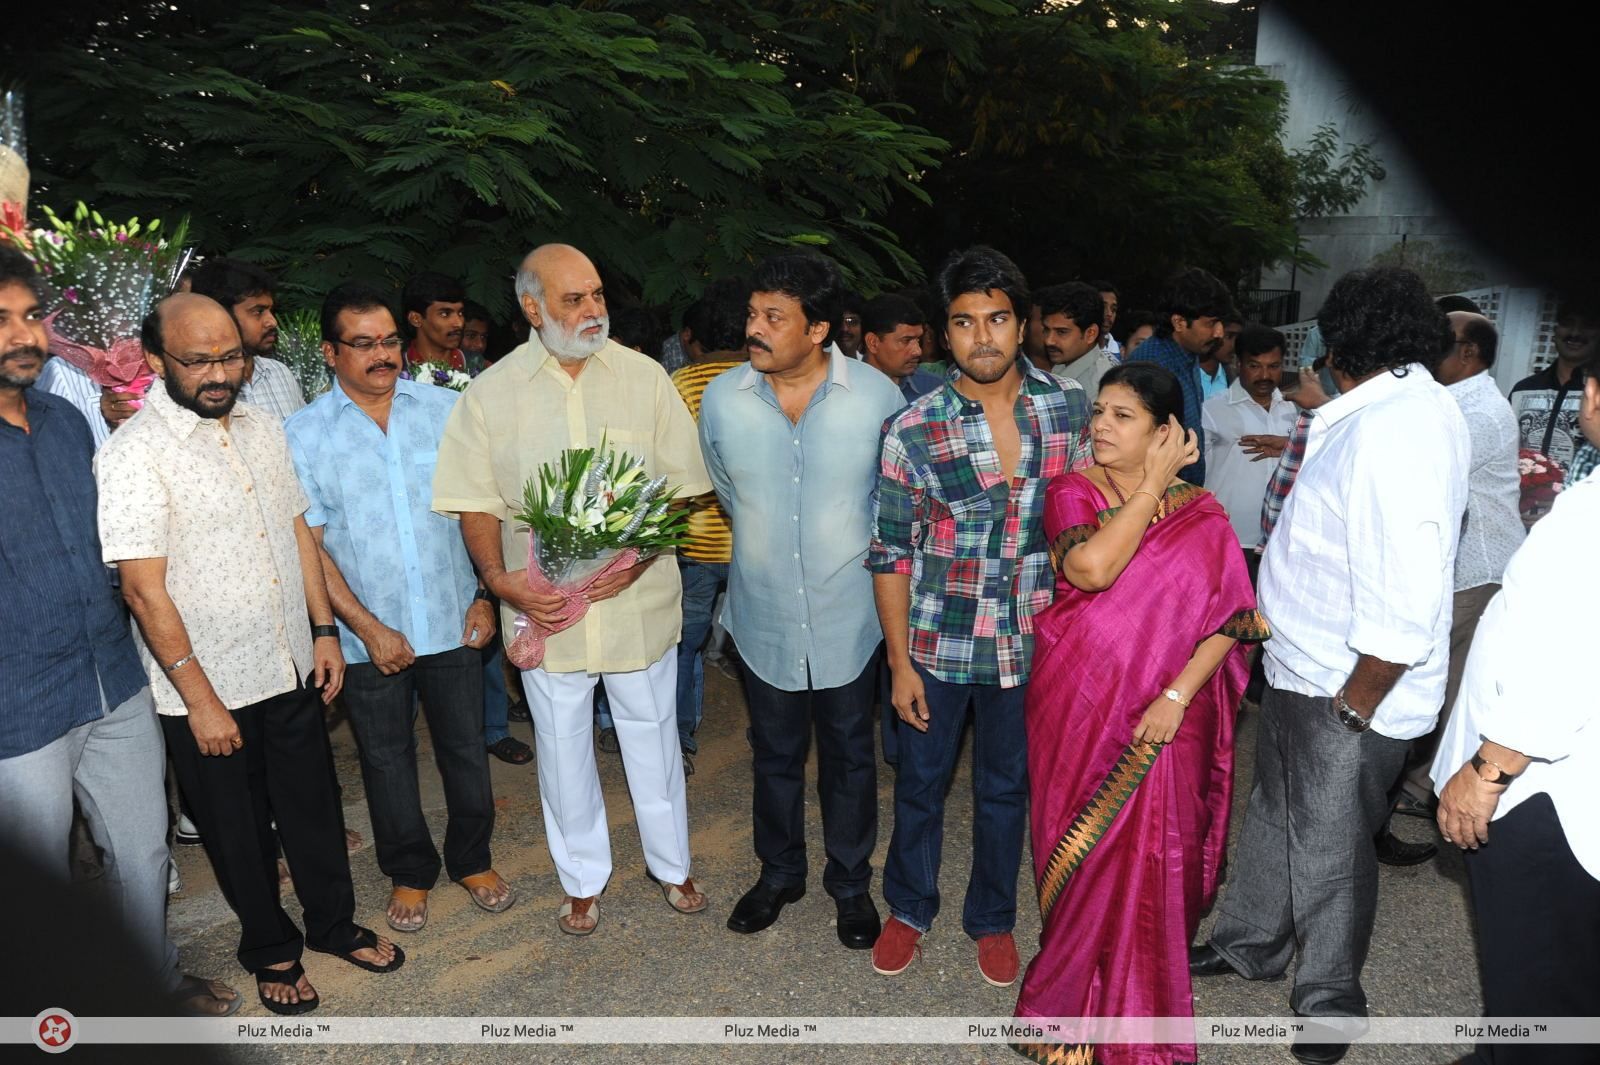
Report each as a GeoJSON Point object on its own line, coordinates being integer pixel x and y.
{"type": "Point", "coordinates": [55, 1030]}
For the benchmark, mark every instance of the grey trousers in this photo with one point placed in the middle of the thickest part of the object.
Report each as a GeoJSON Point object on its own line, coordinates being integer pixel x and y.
{"type": "Point", "coordinates": [1304, 870]}
{"type": "Point", "coordinates": [115, 767]}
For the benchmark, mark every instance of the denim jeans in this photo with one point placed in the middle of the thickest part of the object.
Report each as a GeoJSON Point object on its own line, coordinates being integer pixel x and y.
{"type": "Point", "coordinates": [701, 583]}
{"type": "Point", "coordinates": [495, 701]}
{"type": "Point", "coordinates": [383, 713]}
{"type": "Point", "coordinates": [999, 805]}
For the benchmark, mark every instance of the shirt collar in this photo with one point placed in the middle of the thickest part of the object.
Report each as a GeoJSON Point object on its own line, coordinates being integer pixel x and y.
{"type": "Point", "coordinates": [1237, 394]}
{"type": "Point", "coordinates": [1468, 384]}
{"type": "Point", "coordinates": [531, 356]}
{"type": "Point", "coordinates": [1371, 391]}
{"type": "Point", "coordinates": [839, 370]}
{"type": "Point", "coordinates": [181, 420]}
{"type": "Point", "coordinates": [341, 398]}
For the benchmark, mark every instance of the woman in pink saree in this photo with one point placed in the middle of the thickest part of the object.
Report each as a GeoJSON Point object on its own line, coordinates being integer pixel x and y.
{"type": "Point", "coordinates": [1138, 671]}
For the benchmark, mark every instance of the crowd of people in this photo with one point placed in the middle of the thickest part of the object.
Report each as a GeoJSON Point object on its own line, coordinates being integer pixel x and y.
{"type": "Point", "coordinates": [921, 508]}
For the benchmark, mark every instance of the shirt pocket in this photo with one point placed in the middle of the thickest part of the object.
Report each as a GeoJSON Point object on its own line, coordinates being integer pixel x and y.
{"type": "Point", "coordinates": [954, 529]}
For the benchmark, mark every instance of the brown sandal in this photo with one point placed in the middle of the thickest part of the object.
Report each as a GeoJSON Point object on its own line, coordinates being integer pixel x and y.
{"type": "Point", "coordinates": [677, 896]}
{"type": "Point", "coordinates": [491, 880]}
{"type": "Point", "coordinates": [409, 897]}
{"type": "Point", "coordinates": [574, 908]}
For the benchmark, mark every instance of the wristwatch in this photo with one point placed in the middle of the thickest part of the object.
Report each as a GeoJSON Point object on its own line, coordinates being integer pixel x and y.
{"type": "Point", "coordinates": [1348, 717]}
{"type": "Point", "coordinates": [482, 593]}
{"type": "Point", "coordinates": [1490, 772]}
{"type": "Point", "coordinates": [319, 631]}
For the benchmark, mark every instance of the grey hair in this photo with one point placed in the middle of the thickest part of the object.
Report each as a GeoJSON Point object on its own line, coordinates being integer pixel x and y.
{"type": "Point", "coordinates": [528, 284]}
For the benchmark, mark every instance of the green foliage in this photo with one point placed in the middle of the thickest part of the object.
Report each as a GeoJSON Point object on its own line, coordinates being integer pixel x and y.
{"type": "Point", "coordinates": [1328, 182]}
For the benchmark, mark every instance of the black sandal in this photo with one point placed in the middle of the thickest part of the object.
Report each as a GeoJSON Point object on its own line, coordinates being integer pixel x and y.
{"type": "Point", "coordinates": [365, 937]}
{"type": "Point", "coordinates": [290, 976]}
{"type": "Point", "coordinates": [193, 987]}
{"type": "Point", "coordinates": [510, 749]}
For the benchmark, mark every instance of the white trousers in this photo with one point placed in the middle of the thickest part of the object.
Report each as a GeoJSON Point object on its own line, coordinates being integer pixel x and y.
{"type": "Point", "coordinates": [644, 709]}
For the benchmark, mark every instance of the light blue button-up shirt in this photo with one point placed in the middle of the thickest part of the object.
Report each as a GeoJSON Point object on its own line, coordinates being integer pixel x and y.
{"type": "Point", "coordinates": [799, 495]}
{"type": "Point", "coordinates": [372, 491]}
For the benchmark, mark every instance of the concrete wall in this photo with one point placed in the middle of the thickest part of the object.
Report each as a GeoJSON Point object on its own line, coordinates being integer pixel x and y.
{"type": "Point", "coordinates": [1398, 210]}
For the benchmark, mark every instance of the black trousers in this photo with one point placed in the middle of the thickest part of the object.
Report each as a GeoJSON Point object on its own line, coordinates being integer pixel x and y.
{"type": "Point", "coordinates": [847, 780]}
{"type": "Point", "coordinates": [283, 771]}
{"type": "Point", "coordinates": [1538, 914]}
{"type": "Point", "coordinates": [383, 713]}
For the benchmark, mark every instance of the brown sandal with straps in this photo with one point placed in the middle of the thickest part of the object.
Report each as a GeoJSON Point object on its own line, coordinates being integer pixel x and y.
{"type": "Point", "coordinates": [574, 909]}
{"type": "Point", "coordinates": [678, 896]}
{"type": "Point", "coordinates": [409, 898]}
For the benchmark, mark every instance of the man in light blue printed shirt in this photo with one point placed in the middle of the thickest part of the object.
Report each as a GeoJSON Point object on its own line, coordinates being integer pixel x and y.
{"type": "Point", "coordinates": [412, 619]}
{"type": "Point", "coordinates": [791, 442]}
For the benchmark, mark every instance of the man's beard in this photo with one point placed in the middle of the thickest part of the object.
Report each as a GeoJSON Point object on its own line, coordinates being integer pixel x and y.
{"type": "Point", "coordinates": [569, 344]}
{"type": "Point", "coordinates": [14, 380]}
{"type": "Point", "coordinates": [198, 402]}
{"type": "Point", "coordinates": [988, 377]}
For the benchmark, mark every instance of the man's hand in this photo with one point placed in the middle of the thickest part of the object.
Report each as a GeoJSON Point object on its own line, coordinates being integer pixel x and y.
{"type": "Point", "coordinates": [614, 585]}
{"type": "Point", "coordinates": [216, 733]}
{"type": "Point", "coordinates": [117, 407]}
{"type": "Point", "coordinates": [512, 587]}
{"type": "Point", "coordinates": [909, 695]}
{"type": "Point", "coordinates": [1263, 447]}
{"type": "Point", "coordinates": [389, 649]}
{"type": "Point", "coordinates": [327, 671]}
{"type": "Point", "coordinates": [478, 629]}
{"type": "Point", "coordinates": [1466, 804]}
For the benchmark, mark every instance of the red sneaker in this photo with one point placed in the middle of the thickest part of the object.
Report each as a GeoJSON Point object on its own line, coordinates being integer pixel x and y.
{"type": "Point", "coordinates": [997, 959]}
{"type": "Point", "coordinates": [895, 948]}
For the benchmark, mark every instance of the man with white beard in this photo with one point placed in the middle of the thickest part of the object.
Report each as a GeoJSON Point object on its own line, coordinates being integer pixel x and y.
{"type": "Point", "coordinates": [568, 386]}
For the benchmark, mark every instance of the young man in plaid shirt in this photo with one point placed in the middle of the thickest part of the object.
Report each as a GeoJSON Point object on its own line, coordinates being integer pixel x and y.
{"type": "Point", "coordinates": [961, 568]}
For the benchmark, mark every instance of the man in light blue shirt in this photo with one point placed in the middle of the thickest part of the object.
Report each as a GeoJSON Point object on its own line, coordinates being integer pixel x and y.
{"type": "Point", "coordinates": [792, 444]}
{"type": "Point", "coordinates": [412, 619]}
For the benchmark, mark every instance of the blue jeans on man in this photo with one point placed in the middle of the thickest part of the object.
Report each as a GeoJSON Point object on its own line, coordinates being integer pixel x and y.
{"type": "Point", "coordinates": [999, 805]}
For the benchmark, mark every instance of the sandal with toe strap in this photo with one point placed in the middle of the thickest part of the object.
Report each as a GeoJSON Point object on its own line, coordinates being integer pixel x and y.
{"type": "Point", "coordinates": [490, 880]}
{"type": "Point", "coordinates": [365, 938]}
{"type": "Point", "coordinates": [677, 894]}
{"type": "Point", "coordinates": [193, 987]}
{"type": "Point", "coordinates": [410, 898]}
{"type": "Point", "coordinates": [291, 977]}
{"type": "Point", "coordinates": [571, 907]}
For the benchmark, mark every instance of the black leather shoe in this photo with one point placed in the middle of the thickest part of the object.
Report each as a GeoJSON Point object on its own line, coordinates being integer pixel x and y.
{"type": "Point", "coordinates": [1205, 961]}
{"type": "Point", "coordinates": [1392, 850]}
{"type": "Point", "coordinates": [761, 906]}
{"type": "Point", "coordinates": [858, 922]}
{"type": "Point", "coordinates": [1319, 1053]}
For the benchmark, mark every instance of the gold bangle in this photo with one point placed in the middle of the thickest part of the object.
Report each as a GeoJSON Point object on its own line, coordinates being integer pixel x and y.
{"type": "Point", "coordinates": [1149, 493]}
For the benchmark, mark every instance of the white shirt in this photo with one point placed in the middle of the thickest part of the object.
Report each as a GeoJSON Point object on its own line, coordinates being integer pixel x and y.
{"type": "Point", "coordinates": [1238, 482]}
{"type": "Point", "coordinates": [1493, 529]}
{"type": "Point", "coordinates": [219, 504]}
{"type": "Point", "coordinates": [1086, 369]}
{"type": "Point", "coordinates": [60, 378]}
{"type": "Point", "coordinates": [1109, 345]}
{"type": "Point", "coordinates": [1363, 558]}
{"type": "Point", "coordinates": [273, 387]}
{"type": "Point", "coordinates": [1530, 677]}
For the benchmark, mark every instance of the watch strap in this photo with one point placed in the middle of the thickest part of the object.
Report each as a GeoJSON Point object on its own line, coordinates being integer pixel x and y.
{"type": "Point", "coordinates": [1479, 761]}
{"type": "Point", "coordinates": [319, 631]}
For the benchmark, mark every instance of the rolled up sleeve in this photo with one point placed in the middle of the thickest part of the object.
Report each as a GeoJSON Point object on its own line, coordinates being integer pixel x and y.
{"type": "Point", "coordinates": [896, 526]}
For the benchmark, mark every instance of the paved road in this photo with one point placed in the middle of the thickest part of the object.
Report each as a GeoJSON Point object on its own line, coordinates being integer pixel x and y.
{"type": "Point", "coordinates": [648, 961]}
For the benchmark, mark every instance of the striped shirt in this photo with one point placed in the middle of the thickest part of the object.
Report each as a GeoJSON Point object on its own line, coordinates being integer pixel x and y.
{"type": "Point", "coordinates": [273, 387]}
{"type": "Point", "coordinates": [61, 378]}
{"type": "Point", "coordinates": [970, 538]}
{"type": "Point", "coordinates": [710, 534]}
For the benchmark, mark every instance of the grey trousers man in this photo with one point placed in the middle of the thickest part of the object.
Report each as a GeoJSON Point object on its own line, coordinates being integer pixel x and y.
{"type": "Point", "coordinates": [1304, 869]}
{"type": "Point", "coordinates": [115, 766]}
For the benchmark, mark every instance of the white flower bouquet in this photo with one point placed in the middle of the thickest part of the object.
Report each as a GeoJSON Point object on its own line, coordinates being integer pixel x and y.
{"type": "Point", "coordinates": [591, 513]}
{"type": "Point", "coordinates": [435, 373]}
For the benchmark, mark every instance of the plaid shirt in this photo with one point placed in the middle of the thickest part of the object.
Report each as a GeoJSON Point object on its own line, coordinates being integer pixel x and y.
{"type": "Point", "coordinates": [1584, 461]}
{"type": "Point", "coordinates": [972, 542]}
{"type": "Point", "coordinates": [1294, 452]}
{"type": "Point", "coordinates": [1165, 352]}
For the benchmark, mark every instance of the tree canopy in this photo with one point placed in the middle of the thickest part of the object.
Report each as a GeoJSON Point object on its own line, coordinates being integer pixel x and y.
{"type": "Point", "coordinates": [673, 141]}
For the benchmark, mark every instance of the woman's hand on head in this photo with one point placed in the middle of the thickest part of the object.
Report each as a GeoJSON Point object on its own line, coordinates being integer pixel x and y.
{"type": "Point", "coordinates": [1171, 451]}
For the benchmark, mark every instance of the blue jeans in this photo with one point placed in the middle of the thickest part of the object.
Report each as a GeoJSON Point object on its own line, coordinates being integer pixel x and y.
{"type": "Point", "coordinates": [495, 701]}
{"type": "Point", "coordinates": [999, 806]}
{"type": "Point", "coordinates": [701, 583]}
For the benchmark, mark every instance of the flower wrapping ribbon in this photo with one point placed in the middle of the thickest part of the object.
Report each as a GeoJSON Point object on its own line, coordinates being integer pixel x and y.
{"type": "Point", "coordinates": [526, 649]}
{"type": "Point", "coordinates": [122, 366]}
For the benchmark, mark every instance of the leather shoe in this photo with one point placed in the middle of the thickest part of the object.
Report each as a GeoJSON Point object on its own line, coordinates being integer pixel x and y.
{"type": "Point", "coordinates": [761, 906]}
{"type": "Point", "coordinates": [1392, 850]}
{"type": "Point", "coordinates": [1319, 1053]}
{"type": "Point", "coordinates": [1205, 961]}
{"type": "Point", "coordinates": [858, 922]}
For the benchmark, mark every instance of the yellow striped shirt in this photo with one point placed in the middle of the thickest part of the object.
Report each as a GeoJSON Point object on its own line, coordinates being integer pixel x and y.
{"type": "Point", "coordinates": [710, 534]}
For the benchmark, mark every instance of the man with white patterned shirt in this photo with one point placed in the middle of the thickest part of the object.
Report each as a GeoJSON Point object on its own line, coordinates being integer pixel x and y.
{"type": "Point", "coordinates": [200, 510]}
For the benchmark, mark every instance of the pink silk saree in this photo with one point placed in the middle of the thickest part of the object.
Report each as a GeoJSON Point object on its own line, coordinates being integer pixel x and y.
{"type": "Point", "coordinates": [1128, 839]}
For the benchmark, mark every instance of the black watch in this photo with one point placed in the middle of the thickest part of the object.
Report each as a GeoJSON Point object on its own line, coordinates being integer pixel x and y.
{"type": "Point", "coordinates": [482, 593]}
{"type": "Point", "coordinates": [1347, 716]}
{"type": "Point", "coordinates": [1490, 772]}
{"type": "Point", "coordinates": [319, 631]}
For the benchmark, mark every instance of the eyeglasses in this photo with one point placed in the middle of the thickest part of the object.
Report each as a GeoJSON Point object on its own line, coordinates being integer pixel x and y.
{"type": "Point", "coordinates": [199, 366]}
{"type": "Point", "coordinates": [366, 346]}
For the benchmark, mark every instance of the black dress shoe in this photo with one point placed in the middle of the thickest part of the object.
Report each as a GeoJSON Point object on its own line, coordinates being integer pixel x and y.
{"type": "Point", "coordinates": [1205, 961]}
{"type": "Point", "coordinates": [761, 906]}
{"type": "Point", "coordinates": [1319, 1053]}
{"type": "Point", "coordinates": [1392, 850]}
{"type": "Point", "coordinates": [858, 922]}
